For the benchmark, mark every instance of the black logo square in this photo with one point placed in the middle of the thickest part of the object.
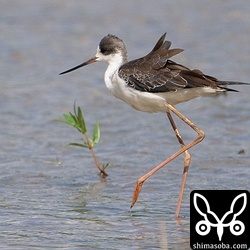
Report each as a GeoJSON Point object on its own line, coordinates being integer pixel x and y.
{"type": "Point", "coordinates": [220, 219]}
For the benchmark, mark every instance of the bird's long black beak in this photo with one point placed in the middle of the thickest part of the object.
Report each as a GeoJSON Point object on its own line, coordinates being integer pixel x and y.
{"type": "Point", "coordinates": [92, 60]}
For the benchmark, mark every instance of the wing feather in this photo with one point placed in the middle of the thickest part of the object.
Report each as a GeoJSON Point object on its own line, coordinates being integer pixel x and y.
{"type": "Point", "coordinates": [157, 73]}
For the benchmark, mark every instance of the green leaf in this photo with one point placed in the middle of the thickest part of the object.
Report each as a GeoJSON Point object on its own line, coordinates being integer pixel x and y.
{"type": "Point", "coordinates": [78, 145]}
{"type": "Point", "coordinates": [72, 121]}
{"type": "Point", "coordinates": [96, 133]}
{"type": "Point", "coordinates": [75, 117]}
{"type": "Point", "coordinates": [69, 119]}
{"type": "Point", "coordinates": [81, 121]}
{"type": "Point", "coordinates": [75, 122]}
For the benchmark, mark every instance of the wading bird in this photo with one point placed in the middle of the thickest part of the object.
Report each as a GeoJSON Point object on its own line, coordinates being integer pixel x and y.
{"type": "Point", "coordinates": [154, 83]}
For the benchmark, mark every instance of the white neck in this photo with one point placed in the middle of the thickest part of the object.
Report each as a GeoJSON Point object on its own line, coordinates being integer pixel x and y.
{"type": "Point", "coordinates": [115, 62]}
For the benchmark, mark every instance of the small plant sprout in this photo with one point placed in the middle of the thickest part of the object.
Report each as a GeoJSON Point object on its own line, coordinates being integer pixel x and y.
{"type": "Point", "coordinates": [77, 121]}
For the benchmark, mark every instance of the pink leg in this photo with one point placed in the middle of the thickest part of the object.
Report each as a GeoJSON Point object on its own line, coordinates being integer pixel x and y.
{"type": "Point", "coordinates": [187, 159]}
{"type": "Point", "coordinates": [183, 149]}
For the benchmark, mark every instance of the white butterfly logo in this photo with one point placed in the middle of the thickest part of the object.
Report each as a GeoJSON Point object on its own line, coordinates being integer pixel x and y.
{"type": "Point", "coordinates": [203, 227]}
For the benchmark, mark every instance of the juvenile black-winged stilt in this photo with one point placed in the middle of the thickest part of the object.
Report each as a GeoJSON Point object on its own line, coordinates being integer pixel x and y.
{"type": "Point", "coordinates": [154, 83]}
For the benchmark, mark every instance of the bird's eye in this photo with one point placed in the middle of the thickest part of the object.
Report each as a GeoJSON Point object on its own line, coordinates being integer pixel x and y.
{"type": "Point", "coordinates": [104, 51]}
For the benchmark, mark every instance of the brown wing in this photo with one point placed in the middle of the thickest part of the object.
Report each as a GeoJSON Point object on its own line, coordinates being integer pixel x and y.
{"type": "Point", "coordinates": [156, 73]}
{"type": "Point", "coordinates": [151, 73]}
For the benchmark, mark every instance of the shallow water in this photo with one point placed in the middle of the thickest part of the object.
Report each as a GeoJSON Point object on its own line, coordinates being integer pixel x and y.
{"type": "Point", "coordinates": [51, 194]}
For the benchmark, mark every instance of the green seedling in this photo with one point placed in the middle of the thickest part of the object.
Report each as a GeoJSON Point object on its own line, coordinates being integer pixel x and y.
{"type": "Point", "coordinates": [77, 121]}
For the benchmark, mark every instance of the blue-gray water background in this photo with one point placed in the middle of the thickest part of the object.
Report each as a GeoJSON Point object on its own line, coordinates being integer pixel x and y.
{"type": "Point", "coordinates": [50, 194]}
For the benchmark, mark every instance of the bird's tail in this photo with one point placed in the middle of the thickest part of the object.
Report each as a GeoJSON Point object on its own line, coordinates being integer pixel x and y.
{"type": "Point", "coordinates": [225, 83]}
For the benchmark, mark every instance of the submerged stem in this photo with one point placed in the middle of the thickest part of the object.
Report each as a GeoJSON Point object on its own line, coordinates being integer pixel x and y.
{"type": "Point", "coordinates": [97, 163]}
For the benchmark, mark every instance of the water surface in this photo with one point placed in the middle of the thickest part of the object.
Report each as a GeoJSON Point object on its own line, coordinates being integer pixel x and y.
{"type": "Point", "coordinates": [51, 194]}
